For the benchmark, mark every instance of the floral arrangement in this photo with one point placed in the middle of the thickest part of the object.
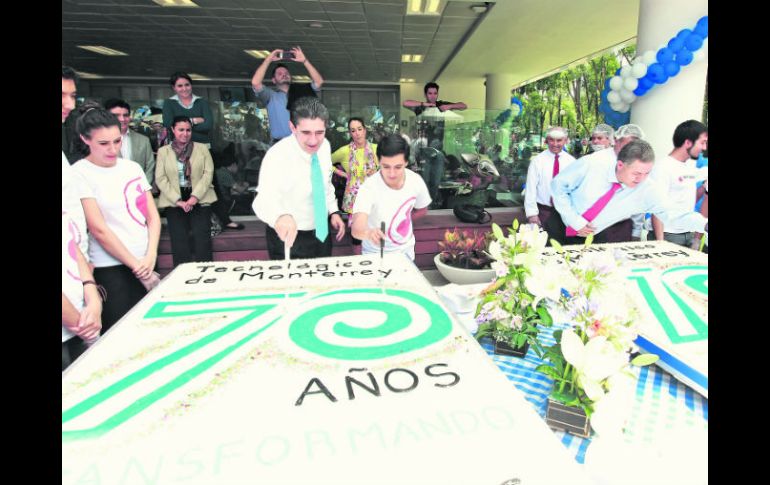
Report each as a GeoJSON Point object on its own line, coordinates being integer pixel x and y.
{"type": "Point", "coordinates": [465, 250]}
{"type": "Point", "coordinates": [515, 303]}
{"type": "Point", "coordinates": [590, 362]}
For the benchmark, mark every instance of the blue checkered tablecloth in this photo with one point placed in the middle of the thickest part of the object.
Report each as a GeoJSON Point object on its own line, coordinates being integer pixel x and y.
{"type": "Point", "coordinates": [662, 402]}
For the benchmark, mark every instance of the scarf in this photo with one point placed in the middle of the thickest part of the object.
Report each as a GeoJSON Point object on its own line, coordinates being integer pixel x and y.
{"type": "Point", "coordinates": [369, 165]}
{"type": "Point", "coordinates": [183, 153]}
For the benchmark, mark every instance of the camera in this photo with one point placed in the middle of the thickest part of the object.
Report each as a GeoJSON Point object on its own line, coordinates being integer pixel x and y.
{"type": "Point", "coordinates": [286, 54]}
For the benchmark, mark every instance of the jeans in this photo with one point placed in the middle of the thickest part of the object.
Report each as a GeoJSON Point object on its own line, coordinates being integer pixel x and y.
{"type": "Point", "coordinates": [433, 173]}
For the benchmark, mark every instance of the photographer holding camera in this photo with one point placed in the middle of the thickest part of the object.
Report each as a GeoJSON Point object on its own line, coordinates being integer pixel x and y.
{"type": "Point", "coordinates": [280, 99]}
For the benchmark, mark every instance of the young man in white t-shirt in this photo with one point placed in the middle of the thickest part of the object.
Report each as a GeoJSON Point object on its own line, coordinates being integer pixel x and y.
{"type": "Point", "coordinates": [677, 176]}
{"type": "Point", "coordinates": [394, 195]}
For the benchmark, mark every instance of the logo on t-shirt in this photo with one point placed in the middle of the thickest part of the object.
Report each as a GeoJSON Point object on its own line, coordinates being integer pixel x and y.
{"type": "Point", "coordinates": [72, 246]}
{"type": "Point", "coordinates": [136, 200]}
{"type": "Point", "coordinates": [400, 228]}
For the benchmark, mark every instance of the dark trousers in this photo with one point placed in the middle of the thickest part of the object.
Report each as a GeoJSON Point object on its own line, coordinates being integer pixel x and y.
{"type": "Point", "coordinates": [190, 234]}
{"type": "Point", "coordinates": [306, 245]}
{"type": "Point", "coordinates": [618, 232]}
{"type": "Point", "coordinates": [544, 213]}
{"type": "Point", "coordinates": [124, 291]}
{"type": "Point", "coordinates": [71, 350]}
{"type": "Point", "coordinates": [222, 205]}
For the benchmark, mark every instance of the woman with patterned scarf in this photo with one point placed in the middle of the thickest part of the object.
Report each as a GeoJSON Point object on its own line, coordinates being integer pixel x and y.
{"type": "Point", "coordinates": [184, 172]}
{"type": "Point", "coordinates": [359, 161]}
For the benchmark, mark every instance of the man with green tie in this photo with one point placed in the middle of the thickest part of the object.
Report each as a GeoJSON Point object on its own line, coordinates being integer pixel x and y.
{"type": "Point", "coordinates": [295, 196]}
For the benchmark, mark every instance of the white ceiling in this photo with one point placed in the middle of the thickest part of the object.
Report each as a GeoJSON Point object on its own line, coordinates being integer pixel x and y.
{"type": "Point", "coordinates": [360, 41]}
{"type": "Point", "coordinates": [527, 38]}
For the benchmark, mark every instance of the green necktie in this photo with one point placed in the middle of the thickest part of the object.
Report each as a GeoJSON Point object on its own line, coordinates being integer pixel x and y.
{"type": "Point", "coordinates": [319, 199]}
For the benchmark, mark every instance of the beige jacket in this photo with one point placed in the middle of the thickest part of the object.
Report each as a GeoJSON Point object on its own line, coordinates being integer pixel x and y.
{"type": "Point", "coordinates": [167, 176]}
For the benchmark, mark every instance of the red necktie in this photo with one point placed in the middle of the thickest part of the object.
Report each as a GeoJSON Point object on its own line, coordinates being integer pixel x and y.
{"type": "Point", "coordinates": [556, 165]}
{"type": "Point", "coordinates": [595, 209]}
{"type": "Point", "coordinates": [555, 170]}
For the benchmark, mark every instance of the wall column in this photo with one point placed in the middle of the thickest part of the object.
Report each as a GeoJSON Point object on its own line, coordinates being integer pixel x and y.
{"type": "Point", "coordinates": [498, 95]}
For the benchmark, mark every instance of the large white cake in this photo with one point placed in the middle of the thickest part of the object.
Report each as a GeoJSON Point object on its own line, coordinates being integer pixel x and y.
{"type": "Point", "coordinates": [339, 371]}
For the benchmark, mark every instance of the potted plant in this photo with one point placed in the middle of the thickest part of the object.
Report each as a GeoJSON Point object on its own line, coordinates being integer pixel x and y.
{"type": "Point", "coordinates": [515, 304]}
{"type": "Point", "coordinates": [464, 258]}
{"type": "Point", "coordinates": [590, 361]}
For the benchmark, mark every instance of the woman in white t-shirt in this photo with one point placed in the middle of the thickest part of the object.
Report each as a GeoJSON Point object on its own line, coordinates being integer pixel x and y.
{"type": "Point", "coordinates": [395, 196]}
{"type": "Point", "coordinates": [123, 222]}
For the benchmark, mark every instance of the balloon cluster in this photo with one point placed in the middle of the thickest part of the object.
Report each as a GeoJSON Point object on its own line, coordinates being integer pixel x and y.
{"type": "Point", "coordinates": [505, 115]}
{"type": "Point", "coordinates": [649, 69]}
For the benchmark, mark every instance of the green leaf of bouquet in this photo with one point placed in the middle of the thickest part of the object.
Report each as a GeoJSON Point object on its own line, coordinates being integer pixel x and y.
{"type": "Point", "coordinates": [645, 359]}
{"type": "Point", "coordinates": [545, 316]}
{"type": "Point", "coordinates": [556, 246]}
{"type": "Point", "coordinates": [520, 340]}
{"type": "Point", "coordinates": [497, 232]}
{"type": "Point", "coordinates": [515, 224]}
{"type": "Point", "coordinates": [548, 371]}
{"type": "Point", "coordinates": [565, 397]}
{"type": "Point", "coordinates": [483, 330]}
{"type": "Point", "coordinates": [589, 240]}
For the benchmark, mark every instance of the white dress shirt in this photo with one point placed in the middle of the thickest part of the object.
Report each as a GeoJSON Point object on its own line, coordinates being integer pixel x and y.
{"type": "Point", "coordinates": [579, 186]}
{"type": "Point", "coordinates": [539, 176]}
{"type": "Point", "coordinates": [285, 186]}
{"type": "Point", "coordinates": [125, 146]}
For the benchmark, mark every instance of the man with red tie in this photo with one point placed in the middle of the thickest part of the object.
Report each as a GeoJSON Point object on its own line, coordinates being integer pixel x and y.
{"type": "Point", "coordinates": [595, 193]}
{"type": "Point", "coordinates": [538, 204]}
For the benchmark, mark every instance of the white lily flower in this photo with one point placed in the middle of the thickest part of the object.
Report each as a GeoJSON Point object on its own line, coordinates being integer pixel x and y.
{"type": "Point", "coordinates": [545, 281]}
{"type": "Point", "coordinates": [594, 361]}
{"type": "Point", "coordinates": [496, 251]}
{"type": "Point", "coordinates": [533, 237]}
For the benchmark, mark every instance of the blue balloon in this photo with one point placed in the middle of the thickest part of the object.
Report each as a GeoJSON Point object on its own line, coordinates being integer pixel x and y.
{"type": "Point", "coordinates": [617, 73]}
{"type": "Point", "coordinates": [694, 42]}
{"type": "Point", "coordinates": [664, 55]}
{"type": "Point", "coordinates": [671, 68]}
{"type": "Point", "coordinates": [683, 57]}
{"type": "Point", "coordinates": [640, 91]}
{"type": "Point", "coordinates": [646, 83]}
{"type": "Point", "coordinates": [657, 73]}
{"type": "Point", "coordinates": [702, 27]}
{"type": "Point", "coordinates": [683, 34]}
{"type": "Point", "coordinates": [607, 83]}
{"type": "Point", "coordinates": [676, 44]}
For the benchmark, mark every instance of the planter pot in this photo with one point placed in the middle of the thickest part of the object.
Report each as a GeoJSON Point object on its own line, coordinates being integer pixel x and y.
{"type": "Point", "coordinates": [462, 276]}
{"type": "Point", "coordinates": [571, 419]}
{"type": "Point", "coordinates": [503, 348]}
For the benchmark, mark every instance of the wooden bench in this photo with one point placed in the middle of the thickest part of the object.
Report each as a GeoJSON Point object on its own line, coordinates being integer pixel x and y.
{"type": "Point", "coordinates": [249, 243]}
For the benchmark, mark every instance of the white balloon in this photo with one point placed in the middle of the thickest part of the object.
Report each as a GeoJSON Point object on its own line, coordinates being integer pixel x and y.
{"type": "Point", "coordinates": [616, 83]}
{"type": "Point", "coordinates": [625, 71]}
{"type": "Point", "coordinates": [630, 83]}
{"type": "Point", "coordinates": [613, 97]}
{"type": "Point", "coordinates": [623, 108]}
{"type": "Point", "coordinates": [650, 57]}
{"type": "Point", "coordinates": [627, 96]}
{"type": "Point", "coordinates": [639, 69]}
{"type": "Point", "coordinates": [698, 55]}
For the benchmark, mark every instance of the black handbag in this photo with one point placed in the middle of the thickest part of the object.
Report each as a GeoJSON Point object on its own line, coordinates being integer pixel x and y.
{"type": "Point", "coordinates": [472, 213]}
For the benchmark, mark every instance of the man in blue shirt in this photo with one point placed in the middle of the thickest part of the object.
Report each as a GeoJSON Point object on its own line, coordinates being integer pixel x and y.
{"type": "Point", "coordinates": [277, 100]}
{"type": "Point", "coordinates": [594, 193]}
